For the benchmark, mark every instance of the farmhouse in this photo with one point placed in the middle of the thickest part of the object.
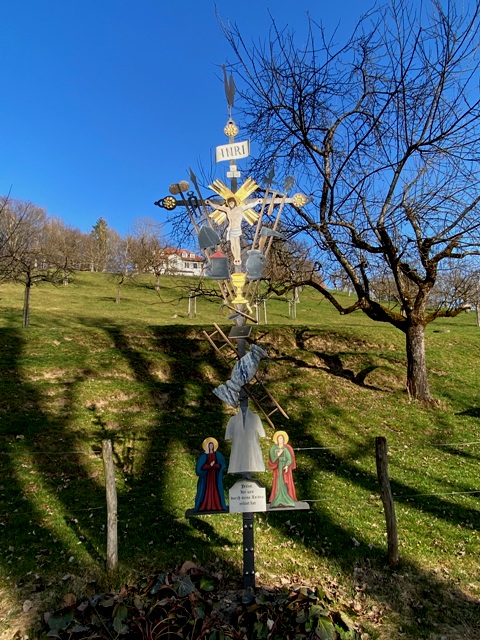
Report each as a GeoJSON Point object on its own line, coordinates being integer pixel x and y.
{"type": "Point", "coordinates": [184, 262]}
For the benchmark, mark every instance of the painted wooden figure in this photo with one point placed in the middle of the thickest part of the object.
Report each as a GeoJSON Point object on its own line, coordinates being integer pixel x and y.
{"type": "Point", "coordinates": [244, 429]}
{"type": "Point", "coordinates": [281, 460]}
{"type": "Point", "coordinates": [210, 468]}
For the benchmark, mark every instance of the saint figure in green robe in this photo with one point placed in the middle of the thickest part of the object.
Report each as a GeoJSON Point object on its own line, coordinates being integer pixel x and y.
{"type": "Point", "coordinates": [281, 460]}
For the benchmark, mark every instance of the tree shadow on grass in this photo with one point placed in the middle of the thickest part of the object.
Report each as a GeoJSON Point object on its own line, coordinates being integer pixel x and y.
{"type": "Point", "coordinates": [43, 472]}
{"type": "Point", "coordinates": [334, 366]}
{"type": "Point", "coordinates": [154, 533]}
{"type": "Point", "coordinates": [37, 436]}
{"type": "Point", "coordinates": [333, 363]}
{"type": "Point", "coordinates": [473, 412]}
{"type": "Point", "coordinates": [420, 600]}
{"type": "Point", "coordinates": [405, 601]}
{"type": "Point", "coordinates": [187, 414]}
{"type": "Point", "coordinates": [424, 603]}
{"type": "Point", "coordinates": [464, 452]}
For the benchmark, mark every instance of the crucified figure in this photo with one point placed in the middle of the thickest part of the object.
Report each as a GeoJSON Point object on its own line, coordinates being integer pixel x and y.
{"type": "Point", "coordinates": [235, 213]}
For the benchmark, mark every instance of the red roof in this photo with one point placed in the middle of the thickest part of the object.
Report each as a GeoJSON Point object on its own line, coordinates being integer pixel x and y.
{"type": "Point", "coordinates": [185, 254]}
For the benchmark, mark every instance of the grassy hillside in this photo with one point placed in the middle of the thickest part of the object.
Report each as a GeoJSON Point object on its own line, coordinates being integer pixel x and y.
{"type": "Point", "coordinates": [141, 373]}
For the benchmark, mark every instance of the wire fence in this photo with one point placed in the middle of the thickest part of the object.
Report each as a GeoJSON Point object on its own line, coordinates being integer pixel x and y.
{"type": "Point", "coordinates": [98, 456]}
{"type": "Point", "coordinates": [395, 446]}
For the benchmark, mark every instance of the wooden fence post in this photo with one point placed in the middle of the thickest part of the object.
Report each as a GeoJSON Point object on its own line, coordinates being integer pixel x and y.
{"type": "Point", "coordinates": [381, 453]}
{"type": "Point", "coordinates": [111, 491]}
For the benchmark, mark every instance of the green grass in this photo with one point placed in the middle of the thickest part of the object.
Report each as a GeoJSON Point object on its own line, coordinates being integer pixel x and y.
{"type": "Point", "coordinates": [141, 373]}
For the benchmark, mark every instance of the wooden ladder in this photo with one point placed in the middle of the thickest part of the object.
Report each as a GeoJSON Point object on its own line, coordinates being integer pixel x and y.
{"type": "Point", "coordinates": [255, 390]}
{"type": "Point", "coordinates": [226, 344]}
{"type": "Point", "coordinates": [264, 400]}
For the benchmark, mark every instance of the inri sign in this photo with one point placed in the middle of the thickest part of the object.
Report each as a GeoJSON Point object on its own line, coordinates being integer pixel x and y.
{"type": "Point", "coordinates": [232, 151]}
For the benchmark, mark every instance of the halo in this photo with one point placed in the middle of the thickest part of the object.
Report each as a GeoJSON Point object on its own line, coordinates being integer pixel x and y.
{"type": "Point", "coordinates": [207, 441]}
{"type": "Point", "coordinates": [280, 433]}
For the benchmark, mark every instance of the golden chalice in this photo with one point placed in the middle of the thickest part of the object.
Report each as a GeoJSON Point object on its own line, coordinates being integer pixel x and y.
{"type": "Point", "coordinates": [238, 280]}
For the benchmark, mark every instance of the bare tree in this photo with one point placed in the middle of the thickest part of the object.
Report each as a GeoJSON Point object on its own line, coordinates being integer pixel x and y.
{"type": "Point", "coordinates": [64, 245]}
{"type": "Point", "coordinates": [460, 288]}
{"type": "Point", "coordinates": [383, 132]}
{"type": "Point", "coordinates": [25, 256]}
{"type": "Point", "coordinates": [454, 288]}
{"type": "Point", "coordinates": [148, 248]}
{"type": "Point", "coordinates": [12, 218]}
{"type": "Point", "coordinates": [475, 297]}
{"type": "Point", "coordinates": [123, 265]}
{"type": "Point", "coordinates": [287, 262]}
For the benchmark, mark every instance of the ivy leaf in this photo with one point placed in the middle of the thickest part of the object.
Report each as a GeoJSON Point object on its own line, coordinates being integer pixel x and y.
{"type": "Point", "coordinates": [119, 627]}
{"type": "Point", "coordinates": [316, 611]}
{"type": "Point", "coordinates": [159, 584]}
{"type": "Point", "coordinates": [320, 593]}
{"type": "Point", "coordinates": [325, 629]}
{"type": "Point", "coordinates": [184, 586]}
{"type": "Point", "coordinates": [79, 628]}
{"type": "Point", "coordinates": [206, 584]}
{"type": "Point", "coordinates": [260, 629]}
{"type": "Point", "coordinates": [120, 611]}
{"type": "Point", "coordinates": [199, 612]}
{"type": "Point", "coordinates": [301, 617]}
{"type": "Point", "coordinates": [346, 621]}
{"type": "Point", "coordinates": [60, 622]}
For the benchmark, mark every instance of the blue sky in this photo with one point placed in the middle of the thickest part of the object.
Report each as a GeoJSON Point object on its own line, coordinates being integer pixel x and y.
{"type": "Point", "coordinates": [105, 103]}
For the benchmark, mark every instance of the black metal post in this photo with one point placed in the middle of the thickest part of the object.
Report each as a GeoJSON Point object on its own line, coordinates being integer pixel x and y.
{"type": "Point", "coordinates": [248, 551]}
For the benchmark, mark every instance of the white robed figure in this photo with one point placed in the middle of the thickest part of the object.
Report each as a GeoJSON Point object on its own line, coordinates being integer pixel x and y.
{"type": "Point", "coordinates": [244, 429]}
